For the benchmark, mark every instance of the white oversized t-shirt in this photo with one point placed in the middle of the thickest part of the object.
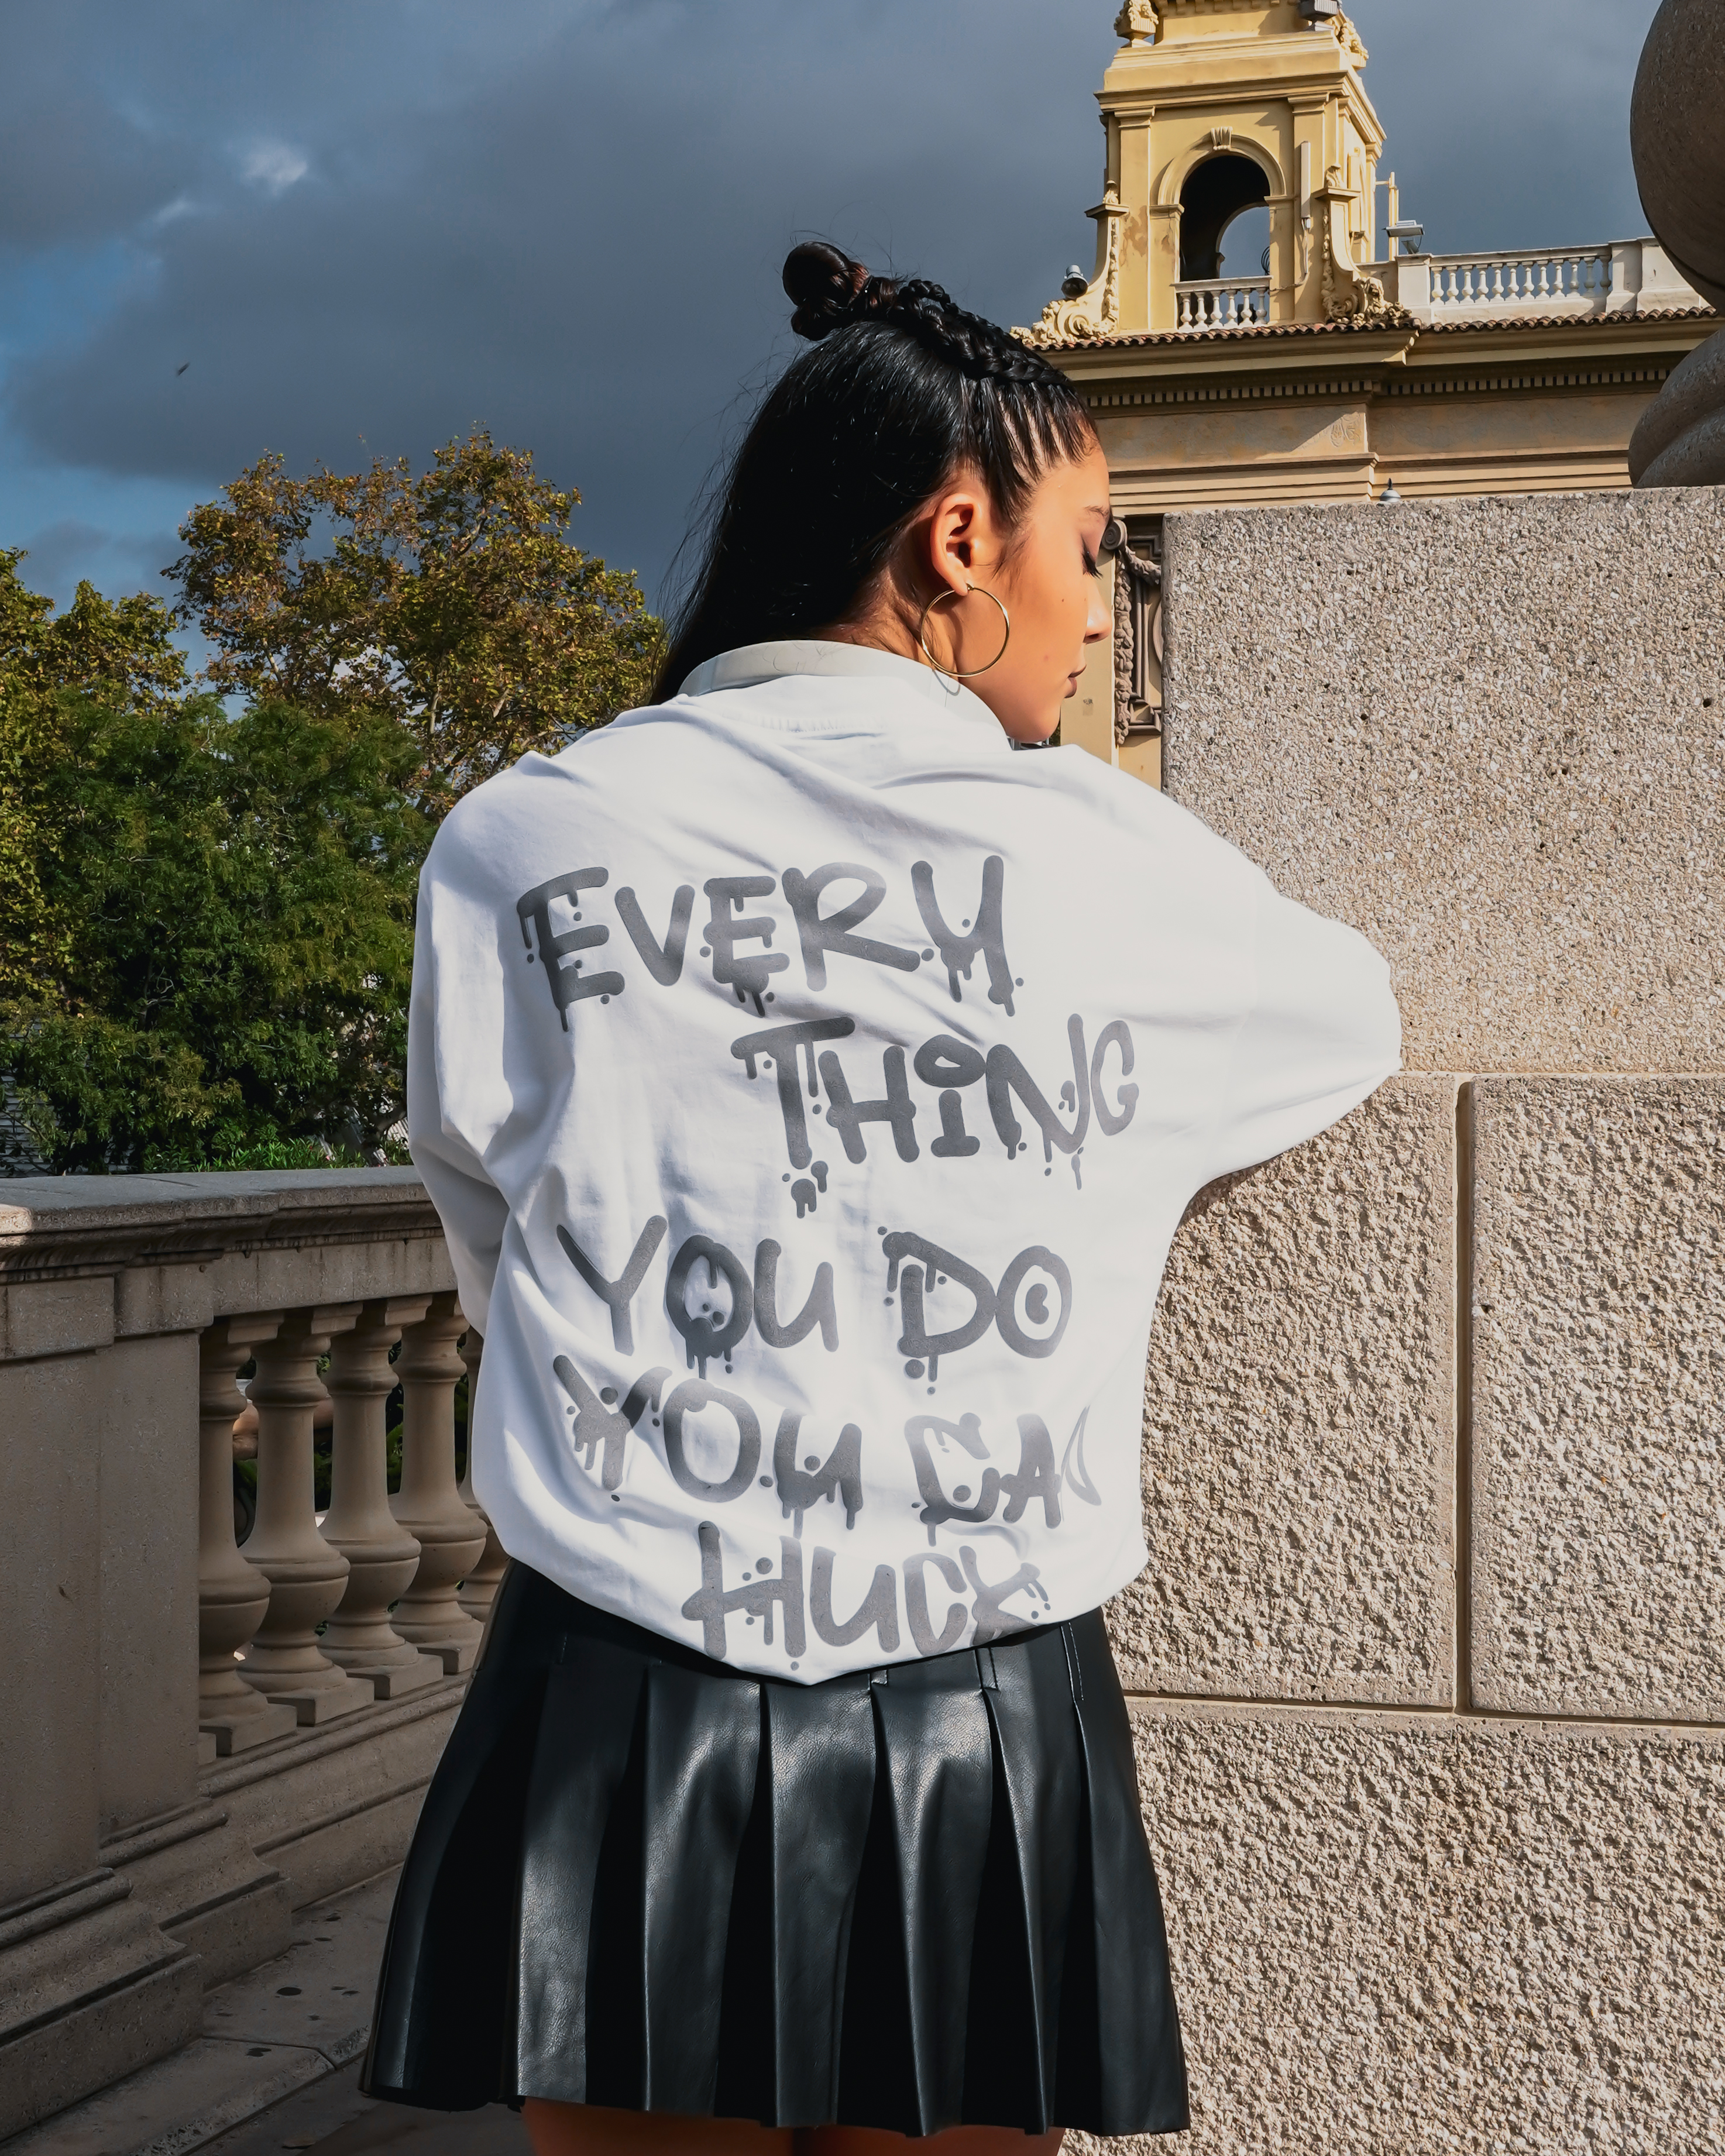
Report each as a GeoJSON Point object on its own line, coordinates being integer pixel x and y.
{"type": "Point", "coordinates": [810, 1088]}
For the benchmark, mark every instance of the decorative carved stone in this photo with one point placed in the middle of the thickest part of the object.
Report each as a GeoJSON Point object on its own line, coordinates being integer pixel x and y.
{"type": "Point", "coordinates": [1350, 293]}
{"type": "Point", "coordinates": [1677, 141]}
{"type": "Point", "coordinates": [1137, 22]}
{"type": "Point", "coordinates": [307, 1578]}
{"type": "Point", "coordinates": [382, 1556]}
{"type": "Point", "coordinates": [1096, 312]}
{"type": "Point", "coordinates": [233, 1595]}
{"type": "Point", "coordinates": [1679, 150]}
{"type": "Point", "coordinates": [1349, 40]}
{"type": "Point", "coordinates": [430, 1507]}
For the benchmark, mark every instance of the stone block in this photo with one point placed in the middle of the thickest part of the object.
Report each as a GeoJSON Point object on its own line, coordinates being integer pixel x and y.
{"type": "Point", "coordinates": [1490, 734]}
{"type": "Point", "coordinates": [1598, 1396]}
{"type": "Point", "coordinates": [55, 1316]}
{"type": "Point", "coordinates": [50, 1612]}
{"type": "Point", "coordinates": [205, 1888]}
{"type": "Point", "coordinates": [147, 1435]}
{"type": "Point", "coordinates": [291, 1279]}
{"type": "Point", "coordinates": [89, 1990]}
{"type": "Point", "coordinates": [1299, 1430]}
{"type": "Point", "coordinates": [163, 1298]}
{"type": "Point", "coordinates": [1394, 1933]}
{"type": "Point", "coordinates": [331, 1809]}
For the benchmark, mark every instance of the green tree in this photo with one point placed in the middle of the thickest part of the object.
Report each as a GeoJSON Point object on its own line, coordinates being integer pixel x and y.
{"type": "Point", "coordinates": [207, 918]}
{"type": "Point", "coordinates": [453, 603]}
{"type": "Point", "coordinates": [109, 656]}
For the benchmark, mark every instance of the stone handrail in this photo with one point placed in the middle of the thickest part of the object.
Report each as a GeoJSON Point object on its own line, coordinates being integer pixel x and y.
{"type": "Point", "coordinates": [1616, 277]}
{"type": "Point", "coordinates": [1220, 303]}
{"type": "Point", "coordinates": [174, 1700]}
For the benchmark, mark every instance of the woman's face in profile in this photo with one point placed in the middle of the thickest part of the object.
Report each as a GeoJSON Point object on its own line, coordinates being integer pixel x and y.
{"type": "Point", "coordinates": [1044, 574]}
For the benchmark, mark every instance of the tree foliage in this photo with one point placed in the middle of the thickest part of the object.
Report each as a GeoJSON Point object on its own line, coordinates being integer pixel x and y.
{"type": "Point", "coordinates": [453, 604]}
{"type": "Point", "coordinates": [207, 918]}
{"type": "Point", "coordinates": [112, 655]}
{"type": "Point", "coordinates": [206, 888]}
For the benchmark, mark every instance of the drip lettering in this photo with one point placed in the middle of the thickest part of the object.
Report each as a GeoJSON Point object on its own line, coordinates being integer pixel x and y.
{"type": "Point", "coordinates": [618, 1295]}
{"type": "Point", "coordinates": [958, 952]}
{"type": "Point", "coordinates": [820, 936]}
{"type": "Point", "coordinates": [555, 946]}
{"type": "Point", "coordinates": [662, 961]}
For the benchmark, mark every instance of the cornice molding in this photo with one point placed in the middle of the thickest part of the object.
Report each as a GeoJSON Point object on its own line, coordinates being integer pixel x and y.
{"type": "Point", "coordinates": [56, 1226]}
{"type": "Point", "coordinates": [1326, 388]}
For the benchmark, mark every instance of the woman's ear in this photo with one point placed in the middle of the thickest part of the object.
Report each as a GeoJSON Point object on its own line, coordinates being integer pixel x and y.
{"type": "Point", "coordinates": [956, 533]}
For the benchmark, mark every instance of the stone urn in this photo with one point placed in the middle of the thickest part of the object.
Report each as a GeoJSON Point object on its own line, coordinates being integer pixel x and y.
{"type": "Point", "coordinates": [1677, 134]}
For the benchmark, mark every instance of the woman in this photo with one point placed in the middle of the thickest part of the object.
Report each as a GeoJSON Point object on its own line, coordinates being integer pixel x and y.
{"type": "Point", "coordinates": [810, 1089]}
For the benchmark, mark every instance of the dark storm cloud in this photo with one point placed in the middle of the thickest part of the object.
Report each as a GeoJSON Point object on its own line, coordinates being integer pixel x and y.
{"type": "Point", "coordinates": [582, 253]}
{"type": "Point", "coordinates": [565, 220]}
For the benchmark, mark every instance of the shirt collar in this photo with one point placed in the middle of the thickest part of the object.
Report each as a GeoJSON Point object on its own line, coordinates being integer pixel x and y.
{"type": "Point", "coordinates": [753, 664]}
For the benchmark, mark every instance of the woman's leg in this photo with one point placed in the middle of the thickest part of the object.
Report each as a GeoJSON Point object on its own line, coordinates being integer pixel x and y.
{"type": "Point", "coordinates": [956, 2141]}
{"type": "Point", "coordinates": [590, 2129]}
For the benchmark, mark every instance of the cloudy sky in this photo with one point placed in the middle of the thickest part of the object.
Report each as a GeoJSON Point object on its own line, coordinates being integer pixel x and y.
{"type": "Point", "coordinates": [363, 226]}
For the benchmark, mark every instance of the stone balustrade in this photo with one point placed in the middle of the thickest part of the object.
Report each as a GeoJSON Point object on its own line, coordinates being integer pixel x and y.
{"type": "Point", "coordinates": [1616, 277]}
{"type": "Point", "coordinates": [201, 1734]}
{"type": "Point", "coordinates": [1223, 303]}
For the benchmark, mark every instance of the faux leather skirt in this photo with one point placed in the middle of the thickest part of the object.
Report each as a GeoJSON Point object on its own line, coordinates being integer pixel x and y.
{"type": "Point", "coordinates": [914, 1897]}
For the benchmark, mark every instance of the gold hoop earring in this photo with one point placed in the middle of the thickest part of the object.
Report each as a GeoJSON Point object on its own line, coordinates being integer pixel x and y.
{"type": "Point", "coordinates": [965, 673]}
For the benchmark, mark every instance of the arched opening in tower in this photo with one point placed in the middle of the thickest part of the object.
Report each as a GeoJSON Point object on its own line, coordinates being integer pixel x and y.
{"type": "Point", "coordinates": [1215, 194]}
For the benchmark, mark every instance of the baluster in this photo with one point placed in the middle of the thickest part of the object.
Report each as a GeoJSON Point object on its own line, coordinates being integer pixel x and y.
{"type": "Point", "coordinates": [429, 1505]}
{"type": "Point", "coordinates": [307, 1578]}
{"type": "Point", "coordinates": [382, 1556]}
{"type": "Point", "coordinates": [233, 1595]}
{"type": "Point", "coordinates": [479, 1588]}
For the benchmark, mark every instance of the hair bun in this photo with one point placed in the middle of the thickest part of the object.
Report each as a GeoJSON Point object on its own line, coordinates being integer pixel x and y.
{"type": "Point", "coordinates": [825, 285]}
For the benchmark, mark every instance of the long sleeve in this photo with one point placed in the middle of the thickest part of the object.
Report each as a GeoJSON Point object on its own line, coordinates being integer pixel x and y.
{"type": "Point", "coordinates": [1322, 1032]}
{"type": "Point", "coordinates": [472, 1209]}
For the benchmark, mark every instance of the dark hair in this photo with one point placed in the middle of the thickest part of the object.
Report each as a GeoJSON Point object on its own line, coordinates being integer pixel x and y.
{"type": "Point", "coordinates": [903, 388]}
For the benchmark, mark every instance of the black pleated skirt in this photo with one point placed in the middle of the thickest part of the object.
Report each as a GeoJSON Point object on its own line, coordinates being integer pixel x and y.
{"type": "Point", "coordinates": [913, 1898]}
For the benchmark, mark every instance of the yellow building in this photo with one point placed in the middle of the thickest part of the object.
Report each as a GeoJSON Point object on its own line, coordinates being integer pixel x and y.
{"type": "Point", "coordinates": [1341, 360]}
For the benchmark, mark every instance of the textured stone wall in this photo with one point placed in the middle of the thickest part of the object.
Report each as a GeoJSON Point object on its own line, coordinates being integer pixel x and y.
{"type": "Point", "coordinates": [1429, 1659]}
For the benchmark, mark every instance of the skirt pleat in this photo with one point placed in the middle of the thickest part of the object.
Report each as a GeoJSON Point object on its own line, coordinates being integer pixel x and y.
{"type": "Point", "coordinates": [938, 1754]}
{"type": "Point", "coordinates": [587, 1733]}
{"type": "Point", "coordinates": [1030, 1706]}
{"type": "Point", "coordinates": [1126, 2030]}
{"type": "Point", "coordinates": [818, 1793]}
{"type": "Point", "coordinates": [702, 1771]}
{"type": "Point", "coordinates": [914, 1898]}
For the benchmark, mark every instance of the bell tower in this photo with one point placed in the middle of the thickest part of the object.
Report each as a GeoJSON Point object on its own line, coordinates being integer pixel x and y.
{"type": "Point", "coordinates": [1215, 109]}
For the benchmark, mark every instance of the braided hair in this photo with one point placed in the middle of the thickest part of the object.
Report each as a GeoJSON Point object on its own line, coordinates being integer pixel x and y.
{"type": "Point", "coordinates": [903, 389]}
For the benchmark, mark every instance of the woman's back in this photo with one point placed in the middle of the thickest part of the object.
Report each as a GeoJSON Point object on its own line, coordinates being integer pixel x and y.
{"type": "Point", "coordinates": [833, 1080]}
